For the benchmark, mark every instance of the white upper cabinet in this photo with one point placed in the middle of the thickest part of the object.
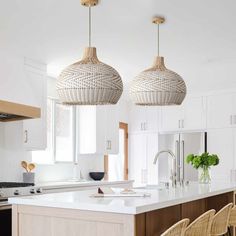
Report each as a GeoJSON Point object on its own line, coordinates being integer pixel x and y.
{"type": "Point", "coordinates": [172, 118]}
{"type": "Point", "coordinates": [98, 130]}
{"type": "Point", "coordinates": [152, 149]}
{"type": "Point", "coordinates": [152, 118]}
{"type": "Point", "coordinates": [191, 115]}
{"type": "Point", "coordinates": [24, 81]}
{"type": "Point", "coordinates": [14, 82]}
{"type": "Point", "coordinates": [143, 118]}
{"type": "Point", "coordinates": [87, 129]}
{"type": "Point", "coordinates": [137, 118]}
{"type": "Point", "coordinates": [194, 113]}
{"type": "Point", "coordinates": [35, 130]}
{"type": "Point", "coordinates": [220, 111]}
{"type": "Point", "coordinates": [112, 130]}
{"type": "Point", "coordinates": [138, 158]}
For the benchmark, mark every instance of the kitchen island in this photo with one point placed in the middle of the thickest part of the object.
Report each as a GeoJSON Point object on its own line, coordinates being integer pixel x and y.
{"type": "Point", "coordinates": [77, 213]}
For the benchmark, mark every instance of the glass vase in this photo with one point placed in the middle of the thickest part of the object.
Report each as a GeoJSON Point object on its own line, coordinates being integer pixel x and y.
{"type": "Point", "coordinates": [204, 175]}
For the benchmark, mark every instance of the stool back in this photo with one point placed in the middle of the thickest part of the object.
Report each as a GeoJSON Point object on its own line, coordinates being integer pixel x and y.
{"type": "Point", "coordinates": [177, 229]}
{"type": "Point", "coordinates": [201, 226]}
{"type": "Point", "coordinates": [221, 220]}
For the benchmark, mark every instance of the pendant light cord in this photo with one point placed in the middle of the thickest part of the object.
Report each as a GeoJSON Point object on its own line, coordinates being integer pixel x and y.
{"type": "Point", "coordinates": [90, 26]}
{"type": "Point", "coordinates": [158, 40]}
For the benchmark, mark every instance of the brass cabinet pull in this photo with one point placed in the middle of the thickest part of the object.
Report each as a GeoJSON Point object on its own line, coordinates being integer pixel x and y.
{"type": "Point", "coordinates": [26, 136]}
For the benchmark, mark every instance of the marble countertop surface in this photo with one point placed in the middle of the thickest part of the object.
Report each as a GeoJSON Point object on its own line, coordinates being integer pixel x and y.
{"type": "Point", "coordinates": [159, 198]}
{"type": "Point", "coordinates": [79, 183]}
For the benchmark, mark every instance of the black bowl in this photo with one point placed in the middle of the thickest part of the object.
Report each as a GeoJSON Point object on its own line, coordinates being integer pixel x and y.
{"type": "Point", "coordinates": [97, 175]}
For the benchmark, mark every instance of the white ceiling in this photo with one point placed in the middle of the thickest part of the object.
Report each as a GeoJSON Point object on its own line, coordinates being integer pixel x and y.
{"type": "Point", "coordinates": [198, 39]}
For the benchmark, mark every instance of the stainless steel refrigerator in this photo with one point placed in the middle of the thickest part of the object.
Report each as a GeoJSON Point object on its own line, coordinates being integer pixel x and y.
{"type": "Point", "coordinates": [181, 144]}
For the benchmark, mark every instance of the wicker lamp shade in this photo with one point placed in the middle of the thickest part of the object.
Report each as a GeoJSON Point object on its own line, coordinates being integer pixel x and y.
{"type": "Point", "coordinates": [89, 82]}
{"type": "Point", "coordinates": [158, 86]}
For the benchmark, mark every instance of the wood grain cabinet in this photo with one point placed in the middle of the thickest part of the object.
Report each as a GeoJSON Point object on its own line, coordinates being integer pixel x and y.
{"type": "Point", "coordinates": [156, 222]}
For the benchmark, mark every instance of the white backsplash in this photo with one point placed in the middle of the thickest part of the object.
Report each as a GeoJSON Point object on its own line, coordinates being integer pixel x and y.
{"type": "Point", "coordinates": [12, 153]}
{"type": "Point", "coordinates": [64, 171]}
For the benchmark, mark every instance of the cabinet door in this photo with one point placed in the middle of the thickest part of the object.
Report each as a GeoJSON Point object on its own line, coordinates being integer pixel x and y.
{"type": "Point", "coordinates": [152, 149]}
{"type": "Point", "coordinates": [195, 113]}
{"type": "Point", "coordinates": [112, 130]}
{"type": "Point", "coordinates": [221, 142]}
{"type": "Point", "coordinates": [152, 119]}
{"type": "Point", "coordinates": [86, 129]}
{"type": "Point", "coordinates": [35, 130]}
{"type": "Point", "coordinates": [219, 111]}
{"type": "Point", "coordinates": [233, 110]}
{"type": "Point", "coordinates": [137, 117]}
{"type": "Point", "coordinates": [12, 78]}
{"type": "Point", "coordinates": [172, 117]}
{"type": "Point", "coordinates": [137, 158]}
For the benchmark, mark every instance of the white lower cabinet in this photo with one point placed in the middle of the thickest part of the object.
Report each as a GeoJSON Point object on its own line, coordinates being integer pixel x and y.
{"type": "Point", "coordinates": [137, 158]}
{"type": "Point", "coordinates": [152, 149]}
{"type": "Point", "coordinates": [223, 143]}
{"type": "Point", "coordinates": [98, 130]}
{"type": "Point", "coordinates": [35, 130]}
{"type": "Point", "coordinates": [142, 150]}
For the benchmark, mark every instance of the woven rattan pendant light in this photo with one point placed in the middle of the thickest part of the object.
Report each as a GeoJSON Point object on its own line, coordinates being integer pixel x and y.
{"type": "Point", "coordinates": [89, 81]}
{"type": "Point", "coordinates": [158, 86]}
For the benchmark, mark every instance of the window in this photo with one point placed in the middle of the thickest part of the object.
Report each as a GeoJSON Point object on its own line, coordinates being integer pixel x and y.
{"type": "Point", "coordinates": [61, 135]}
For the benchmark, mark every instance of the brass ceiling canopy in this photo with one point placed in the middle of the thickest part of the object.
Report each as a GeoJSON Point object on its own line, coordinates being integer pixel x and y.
{"type": "Point", "coordinates": [88, 3]}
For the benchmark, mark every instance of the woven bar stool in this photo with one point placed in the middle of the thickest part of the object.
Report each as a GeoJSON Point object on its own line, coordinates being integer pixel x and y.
{"type": "Point", "coordinates": [221, 221]}
{"type": "Point", "coordinates": [232, 219]}
{"type": "Point", "coordinates": [201, 226]}
{"type": "Point", "coordinates": [177, 229]}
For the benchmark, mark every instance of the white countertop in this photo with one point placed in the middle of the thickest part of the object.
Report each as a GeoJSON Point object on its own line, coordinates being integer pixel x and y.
{"type": "Point", "coordinates": [80, 183]}
{"type": "Point", "coordinates": [82, 200]}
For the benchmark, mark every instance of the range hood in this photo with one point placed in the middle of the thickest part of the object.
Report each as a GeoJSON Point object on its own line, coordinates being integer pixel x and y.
{"type": "Point", "coordinates": [10, 111]}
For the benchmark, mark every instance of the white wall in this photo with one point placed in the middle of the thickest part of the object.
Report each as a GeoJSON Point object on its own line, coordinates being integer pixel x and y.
{"type": "Point", "coordinates": [12, 151]}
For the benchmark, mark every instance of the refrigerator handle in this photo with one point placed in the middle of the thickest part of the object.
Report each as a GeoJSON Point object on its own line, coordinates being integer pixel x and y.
{"type": "Point", "coordinates": [183, 157]}
{"type": "Point", "coordinates": [177, 159]}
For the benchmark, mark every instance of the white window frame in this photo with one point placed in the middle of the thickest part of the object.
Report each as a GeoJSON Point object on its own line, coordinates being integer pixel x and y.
{"type": "Point", "coordinates": [54, 160]}
{"type": "Point", "coordinates": [74, 136]}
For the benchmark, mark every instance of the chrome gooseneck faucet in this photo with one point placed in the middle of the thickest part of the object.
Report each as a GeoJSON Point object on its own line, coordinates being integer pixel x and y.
{"type": "Point", "coordinates": [173, 168]}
